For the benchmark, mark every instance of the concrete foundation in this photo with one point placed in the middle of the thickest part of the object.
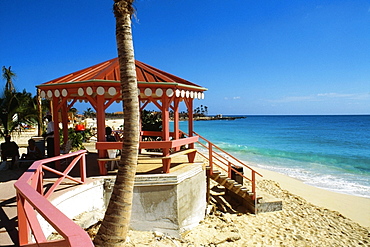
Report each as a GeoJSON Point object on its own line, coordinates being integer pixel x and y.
{"type": "Point", "coordinates": [169, 203]}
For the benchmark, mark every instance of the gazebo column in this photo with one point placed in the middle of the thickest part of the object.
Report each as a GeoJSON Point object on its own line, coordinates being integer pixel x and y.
{"type": "Point", "coordinates": [165, 123]}
{"type": "Point", "coordinates": [65, 122]}
{"type": "Point", "coordinates": [55, 116]}
{"type": "Point", "coordinates": [190, 120]}
{"type": "Point", "coordinates": [166, 132]}
{"type": "Point", "coordinates": [100, 121]}
{"type": "Point", "coordinates": [176, 125]}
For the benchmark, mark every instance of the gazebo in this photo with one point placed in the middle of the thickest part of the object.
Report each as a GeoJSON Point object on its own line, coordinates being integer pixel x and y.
{"type": "Point", "coordinates": [100, 86]}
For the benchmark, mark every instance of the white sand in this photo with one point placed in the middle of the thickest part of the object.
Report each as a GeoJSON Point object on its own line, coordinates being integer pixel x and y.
{"type": "Point", "coordinates": [354, 207]}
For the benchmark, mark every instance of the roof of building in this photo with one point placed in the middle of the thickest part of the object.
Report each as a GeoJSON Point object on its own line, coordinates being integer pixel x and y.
{"type": "Point", "coordinates": [110, 71]}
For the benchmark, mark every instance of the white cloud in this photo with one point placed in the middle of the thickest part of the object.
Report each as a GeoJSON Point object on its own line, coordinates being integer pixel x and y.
{"type": "Point", "coordinates": [358, 96]}
{"type": "Point", "coordinates": [322, 97]}
{"type": "Point", "coordinates": [232, 98]}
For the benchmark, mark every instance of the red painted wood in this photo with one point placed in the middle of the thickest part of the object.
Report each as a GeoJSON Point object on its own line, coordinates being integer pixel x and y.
{"type": "Point", "coordinates": [30, 200]}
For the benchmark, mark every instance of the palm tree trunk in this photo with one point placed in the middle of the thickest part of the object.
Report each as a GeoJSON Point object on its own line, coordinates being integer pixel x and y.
{"type": "Point", "coordinates": [115, 225]}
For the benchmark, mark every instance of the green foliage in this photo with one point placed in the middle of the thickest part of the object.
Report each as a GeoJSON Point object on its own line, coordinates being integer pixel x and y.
{"type": "Point", "coordinates": [17, 109]}
{"type": "Point", "coordinates": [201, 111]}
{"type": "Point", "coordinates": [89, 113]}
{"type": "Point", "coordinates": [151, 121]}
{"type": "Point", "coordinates": [8, 76]}
{"type": "Point", "coordinates": [77, 138]}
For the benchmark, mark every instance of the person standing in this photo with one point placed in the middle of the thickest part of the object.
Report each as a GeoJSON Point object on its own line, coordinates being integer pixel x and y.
{"type": "Point", "coordinates": [49, 136]}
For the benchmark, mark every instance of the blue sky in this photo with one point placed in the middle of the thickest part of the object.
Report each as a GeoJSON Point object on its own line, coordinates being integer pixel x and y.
{"type": "Point", "coordinates": [255, 57]}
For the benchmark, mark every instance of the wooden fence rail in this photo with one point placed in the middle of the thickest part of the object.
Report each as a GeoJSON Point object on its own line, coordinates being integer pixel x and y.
{"type": "Point", "coordinates": [32, 200]}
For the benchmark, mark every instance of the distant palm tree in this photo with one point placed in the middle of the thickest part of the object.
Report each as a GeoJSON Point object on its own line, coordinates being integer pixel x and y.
{"type": "Point", "coordinates": [8, 75]}
{"type": "Point", "coordinates": [89, 113]}
{"type": "Point", "coordinates": [17, 109]}
{"type": "Point", "coordinates": [115, 225]}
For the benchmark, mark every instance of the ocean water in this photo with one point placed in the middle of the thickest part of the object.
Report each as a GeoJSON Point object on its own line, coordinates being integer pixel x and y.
{"type": "Point", "coordinates": [329, 152]}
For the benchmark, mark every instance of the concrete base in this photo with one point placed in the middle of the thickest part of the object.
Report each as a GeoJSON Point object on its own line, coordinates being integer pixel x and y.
{"type": "Point", "coordinates": [169, 203]}
{"type": "Point", "coordinates": [266, 203]}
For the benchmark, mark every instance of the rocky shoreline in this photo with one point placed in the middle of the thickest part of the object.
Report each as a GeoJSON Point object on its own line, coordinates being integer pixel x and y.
{"type": "Point", "coordinates": [216, 118]}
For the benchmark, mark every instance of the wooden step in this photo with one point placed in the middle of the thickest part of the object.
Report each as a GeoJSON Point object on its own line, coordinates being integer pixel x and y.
{"type": "Point", "coordinates": [237, 188]}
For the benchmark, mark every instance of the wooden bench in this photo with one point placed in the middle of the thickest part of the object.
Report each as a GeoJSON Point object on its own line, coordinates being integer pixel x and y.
{"type": "Point", "coordinates": [103, 161]}
{"type": "Point", "coordinates": [166, 160]}
{"type": "Point", "coordinates": [164, 145]}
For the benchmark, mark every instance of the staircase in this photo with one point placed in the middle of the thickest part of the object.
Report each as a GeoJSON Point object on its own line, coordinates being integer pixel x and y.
{"type": "Point", "coordinates": [231, 184]}
{"type": "Point", "coordinates": [236, 190]}
{"type": "Point", "coordinates": [228, 168]}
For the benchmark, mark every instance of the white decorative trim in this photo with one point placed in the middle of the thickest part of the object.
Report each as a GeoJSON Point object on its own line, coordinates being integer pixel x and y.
{"type": "Point", "coordinates": [192, 94]}
{"type": "Point", "coordinates": [100, 90]}
{"type": "Point", "coordinates": [56, 93]}
{"type": "Point", "coordinates": [187, 94]}
{"type": "Point", "coordinates": [178, 93]}
{"type": "Point", "coordinates": [42, 94]}
{"type": "Point", "coordinates": [112, 91]}
{"type": "Point", "coordinates": [89, 91]}
{"type": "Point", "coordinates": [64, 92]}
{"type": "Point", "coordinates": [159, 92]}
{"type": "Point", "coordinates": [169, 92]}
{"type": "Point", "coordinates": [148, 92]}
{"type": "Point", "coordinates": [49, 94]}
{"type": "Point", "coordinates": [80, 91]}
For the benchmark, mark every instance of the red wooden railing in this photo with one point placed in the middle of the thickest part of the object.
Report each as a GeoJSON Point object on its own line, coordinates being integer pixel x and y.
{"type": "Point", "coordinates": [32, 199]}
{"type": "Point", "coordinates": [226, 162]}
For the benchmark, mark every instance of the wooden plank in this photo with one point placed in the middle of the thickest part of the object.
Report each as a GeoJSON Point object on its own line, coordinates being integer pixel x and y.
{"type": "Point", "coordinates": [149, 144]}
{"type": "Point", "coordinates": [182, 152]}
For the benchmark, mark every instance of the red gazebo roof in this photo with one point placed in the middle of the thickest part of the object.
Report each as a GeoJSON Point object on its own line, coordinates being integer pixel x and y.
{"type": "Point", "coordinates": [109, 71]}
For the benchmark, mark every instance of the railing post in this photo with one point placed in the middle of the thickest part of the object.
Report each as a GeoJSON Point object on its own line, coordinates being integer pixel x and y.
{"type": "Point", "coordinates": [210, 160]}
{"type": "Point", "coordinates": [40, 180]}
{"type": "Point", "coordinates": [23, 227]}
{"type": "Point", "coordinates": [83, 167]}
{"type": "Point", "coordinates": [229, 169]}
{"type": "Point", "coordinates": [254, 184]}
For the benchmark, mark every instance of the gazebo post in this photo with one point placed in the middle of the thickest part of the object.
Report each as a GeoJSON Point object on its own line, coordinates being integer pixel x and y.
{"type": "Point", "coordinates": [100, 121]}
{"type": "Point", "coordinates": [55, 116]}
{"type": "Point", "coordinates": [165, 123]}
{"type": "Point", "coordinates": [65, 122]}
{"type": "Point", "coordinates": [176, 126]}
{"type": "Point", "coordinates": [191, 119]}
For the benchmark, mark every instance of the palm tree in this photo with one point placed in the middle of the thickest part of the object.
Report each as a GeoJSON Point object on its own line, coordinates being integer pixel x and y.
{"type": "Point", "coordinates": [8, 75]}
{"type": "Point", "coordinates": [16, 109]}
{"type": "Point", "coordinates": [115, 225]}
{"type": "Point", "coordinates": [89, 113]}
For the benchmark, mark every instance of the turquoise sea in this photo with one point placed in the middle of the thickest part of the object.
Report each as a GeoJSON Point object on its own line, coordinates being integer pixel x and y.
{"type": "Point", "coordinates": [329, 152]}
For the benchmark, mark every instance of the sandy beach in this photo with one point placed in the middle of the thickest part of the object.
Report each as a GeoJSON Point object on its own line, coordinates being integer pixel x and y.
{"type": "Point", "coordinates": [310, 217]}
{"type": "Point", "coordinates": [300, 223]}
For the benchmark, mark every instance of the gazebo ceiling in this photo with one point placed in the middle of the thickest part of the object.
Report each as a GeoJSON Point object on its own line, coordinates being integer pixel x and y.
{"type": "Point", "coordinates": [104, 78]}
